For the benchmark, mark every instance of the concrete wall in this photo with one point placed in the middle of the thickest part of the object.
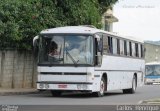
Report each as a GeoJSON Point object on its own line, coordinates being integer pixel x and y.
{"type": "Point", "coordinates": [17, 69]}
{"type": "Point", "coordinates": [152, 53]}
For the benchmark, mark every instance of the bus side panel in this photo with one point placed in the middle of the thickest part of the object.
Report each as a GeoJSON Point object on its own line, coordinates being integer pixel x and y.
{"type": "Point", "coordinates": [119, 80]}
{"type": "Point", "coordinates": [140, 79]}
{"type": "Point", "coordinates": [96, 81]}
{"type": "Point", "coordinates": [120, 71]}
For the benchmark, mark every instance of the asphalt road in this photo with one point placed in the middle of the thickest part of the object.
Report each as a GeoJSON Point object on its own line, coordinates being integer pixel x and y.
{"type": "Point", "coordinates": [110, 98]}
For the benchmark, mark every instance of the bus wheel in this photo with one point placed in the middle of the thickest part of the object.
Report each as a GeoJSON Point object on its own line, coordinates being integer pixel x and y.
{"type": "Point", "coordinates": [133, 89]}
{"type": "Point", "coordinates": [102, 88]}
{"type": "Point", "coordinates": [56, 93]}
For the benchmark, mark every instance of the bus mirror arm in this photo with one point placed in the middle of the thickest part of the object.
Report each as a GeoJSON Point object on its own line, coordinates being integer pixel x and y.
{"type": "Point", "coordinates": [35, 45]}
{"type": "Point", "coordinates": [35, 41]}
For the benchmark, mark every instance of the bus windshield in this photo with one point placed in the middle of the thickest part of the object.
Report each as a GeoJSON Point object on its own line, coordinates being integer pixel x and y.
{"type": "Point", "coordinates": [152, 70]}
{"type": "Point", "coordinates": [66, 49]}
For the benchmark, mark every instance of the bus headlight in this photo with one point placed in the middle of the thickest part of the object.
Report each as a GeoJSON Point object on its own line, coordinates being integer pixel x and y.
{"type": "Point", "coordinates": [90, 76]}
{"type": "Point", "coordinates": [41, 86]}
{"type": "Point", "coordinates": [84, 87]}
{"type": "Point", "coordinates": [79, 86]}
{"type": "Point", "coordinates": [47, 86]}
{"type": "Point", "coordinates": [89, 73]}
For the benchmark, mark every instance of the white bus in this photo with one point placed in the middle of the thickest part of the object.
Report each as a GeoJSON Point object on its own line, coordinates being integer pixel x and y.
{"type": "Point", "coordinates": [152, 73]}
{"type": "Point", "coordinates": [85, 59]}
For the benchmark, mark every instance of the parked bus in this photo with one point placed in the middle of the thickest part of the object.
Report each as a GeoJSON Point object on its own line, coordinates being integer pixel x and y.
{"type": "Point", "coordinates": [85, 59]}
{"type": "Point", "coordinates": [152, 73]}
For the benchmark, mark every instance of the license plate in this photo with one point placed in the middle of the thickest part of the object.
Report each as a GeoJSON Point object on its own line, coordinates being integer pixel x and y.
{"type": "Point", "coordinates": [62, 86]}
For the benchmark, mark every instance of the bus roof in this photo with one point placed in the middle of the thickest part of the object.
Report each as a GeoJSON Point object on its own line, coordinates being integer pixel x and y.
{"type": "Point", "coordinates": [153, 63]}
{"type": "Point", "coordinates": [83, 30]}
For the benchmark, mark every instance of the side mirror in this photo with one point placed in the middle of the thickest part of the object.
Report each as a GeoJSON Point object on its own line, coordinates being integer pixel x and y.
{"type": "Point", "coordinates": [98, 55]}
{"type": "Point", "coordinates": [35, 45]}
{"type": "Point", "coordinates": [98, 38]}
{"type": "Point", "coordinates": [99, 43]}
{"type": "Point", "coordinates": [35, 41]}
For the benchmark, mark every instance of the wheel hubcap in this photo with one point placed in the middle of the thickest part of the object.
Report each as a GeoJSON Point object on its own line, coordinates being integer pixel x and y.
{"type": "Point", "coordinates": [134, 84]}
{"type": "Point", "coordinates": [102, 87]}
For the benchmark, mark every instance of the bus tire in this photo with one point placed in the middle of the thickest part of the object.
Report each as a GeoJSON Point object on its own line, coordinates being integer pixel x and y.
{"type": "Point", "coordinates": [133, 89]}
{"type": "Point", "coordinates": [56, 93]}
{"type": "Point", "coordinates": [102, 88]}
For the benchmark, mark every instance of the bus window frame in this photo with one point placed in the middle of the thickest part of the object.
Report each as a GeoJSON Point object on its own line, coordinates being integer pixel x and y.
{"type": "Point", "coordinates": [98, 58]}
{"type": "Point", "coordinates": [129, 47]}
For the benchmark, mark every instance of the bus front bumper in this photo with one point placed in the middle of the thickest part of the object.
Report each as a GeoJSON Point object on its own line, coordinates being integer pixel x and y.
{"type": "Point", "coordinates": [152, 81]}
{"type": "Point", "coordinates": [73, 86]}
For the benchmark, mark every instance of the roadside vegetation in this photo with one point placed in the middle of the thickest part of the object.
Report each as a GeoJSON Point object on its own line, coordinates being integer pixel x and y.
{"type": "Point", "coordinates": [21, 20]}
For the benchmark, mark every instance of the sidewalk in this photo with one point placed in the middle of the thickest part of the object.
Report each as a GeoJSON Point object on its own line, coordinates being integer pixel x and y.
{"type": "Point", "coordinates": [4, 92]}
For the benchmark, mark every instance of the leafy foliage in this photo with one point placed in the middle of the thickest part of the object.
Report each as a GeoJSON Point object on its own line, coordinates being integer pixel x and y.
{"type": "Point", "coordinates": [21, 20]}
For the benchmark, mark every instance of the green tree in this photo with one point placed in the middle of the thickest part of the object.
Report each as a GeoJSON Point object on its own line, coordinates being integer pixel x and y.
{"type": "Point", "coordinates": [21, 20]}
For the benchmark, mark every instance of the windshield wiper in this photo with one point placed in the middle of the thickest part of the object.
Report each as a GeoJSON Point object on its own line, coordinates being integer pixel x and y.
{"type": "Point", "coordinates": [74, 61]}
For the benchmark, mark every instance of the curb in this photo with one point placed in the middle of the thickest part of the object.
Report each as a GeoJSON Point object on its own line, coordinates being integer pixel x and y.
{"type": "Point", "coordinates": [150, 102]}
{"type": "Point", "coordinates": [20, 92]}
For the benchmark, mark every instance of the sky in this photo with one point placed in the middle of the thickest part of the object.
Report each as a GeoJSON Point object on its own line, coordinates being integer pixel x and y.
{"type": "Point", "coordinates": [138, 18]}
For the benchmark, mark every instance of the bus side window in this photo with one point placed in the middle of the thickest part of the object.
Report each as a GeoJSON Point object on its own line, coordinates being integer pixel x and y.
{"type": "Point", "coordinates": [121, 47]}
{"type": "Point", "coordinates": [133, 50]}
{"type": "Point", "coordinates": [118, 46]}
{"type": "Point", "coordinates": [98, 47]}
{"type": "Point", "coordinates": [99, 38]}
{"type": "Point", "coordinates": [128, 49]}
{"type": "Point", "coordinates": [142, 51]}
{"type": "Point", "coordinates": [114, 46]}
{"type": "Point", "coordinates": [105, 45]}
{"type": "Point", "coordinates": [110, 44]}
{"type": "Point", "coordinates": [125, 47]}
{"type": "Point", "coordinates": [137, 50]}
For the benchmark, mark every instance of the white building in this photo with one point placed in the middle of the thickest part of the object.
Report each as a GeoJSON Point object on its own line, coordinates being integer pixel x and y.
{"type": "Point", "coordinates": [108, 19]}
